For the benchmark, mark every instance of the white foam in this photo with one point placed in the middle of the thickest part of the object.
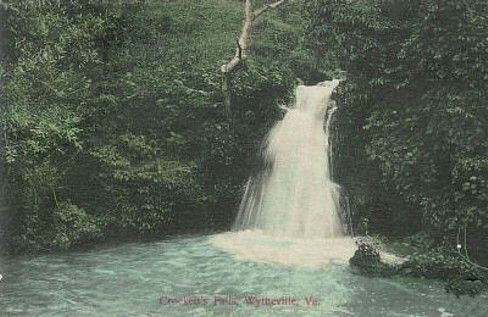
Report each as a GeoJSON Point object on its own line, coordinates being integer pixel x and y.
{"type": "Point", "coordinates": [256, 245]}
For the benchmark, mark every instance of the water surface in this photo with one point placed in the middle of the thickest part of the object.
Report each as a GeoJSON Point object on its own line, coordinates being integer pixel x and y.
{"type": "Point", "coordinates": [153, 279]}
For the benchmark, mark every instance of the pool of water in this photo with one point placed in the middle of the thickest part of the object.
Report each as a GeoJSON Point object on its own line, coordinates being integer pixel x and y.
{"type": "Point", "coordinates": [190, 276]}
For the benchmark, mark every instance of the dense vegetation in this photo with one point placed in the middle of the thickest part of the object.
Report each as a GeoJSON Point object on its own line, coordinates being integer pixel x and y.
{"type": "Point", "coordinates": [413, 117]}
{"type": "Point", "coordinates": [114, 121]}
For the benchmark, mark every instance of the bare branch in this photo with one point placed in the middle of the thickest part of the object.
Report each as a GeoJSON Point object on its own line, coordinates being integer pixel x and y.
{"type": "Point", "coordinates": [274, 5]}
{"type": "Point", "coordinates": [243, 43]}
{"type": "Point", "coordinates": [243, 46]}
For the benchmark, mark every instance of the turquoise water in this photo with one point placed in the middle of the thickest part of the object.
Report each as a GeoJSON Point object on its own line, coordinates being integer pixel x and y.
{"type": "Point", "coordinates": [152, 279]}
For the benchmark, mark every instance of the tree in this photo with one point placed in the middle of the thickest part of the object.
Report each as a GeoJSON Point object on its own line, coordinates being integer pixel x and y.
{"type": "Point", "coordinates": [243, 47]}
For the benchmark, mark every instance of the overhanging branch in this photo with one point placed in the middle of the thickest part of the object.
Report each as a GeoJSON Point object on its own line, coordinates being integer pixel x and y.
{"type": "Point", "coordinates": [274, 5]}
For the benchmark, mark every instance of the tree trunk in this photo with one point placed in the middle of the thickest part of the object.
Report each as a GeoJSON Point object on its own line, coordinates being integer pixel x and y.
{"type": "Point", "coordinates": [242, 49]}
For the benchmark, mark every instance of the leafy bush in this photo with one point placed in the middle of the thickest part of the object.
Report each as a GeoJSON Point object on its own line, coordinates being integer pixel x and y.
{"type": "Point", "coordinates": [461, 276]}
{"type": "Point", "coordinates": [440, 263]}
{"type": "Point", "coordinates": [72, 226]}
{"type": "Point", "coordinates": [65, 227]}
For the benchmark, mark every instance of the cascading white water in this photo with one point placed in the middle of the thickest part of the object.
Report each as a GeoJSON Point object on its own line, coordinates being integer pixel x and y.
{"type": "Point", "coordinates": [290, 212]}
{"type": "Point", "coordinates": [295, 196]}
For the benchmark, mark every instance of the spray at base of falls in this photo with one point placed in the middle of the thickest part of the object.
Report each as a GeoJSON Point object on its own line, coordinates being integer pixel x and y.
{"type": "Point", "coordinates": [291, 212]}
{"type": "Point", "coordinates": [256, 245]}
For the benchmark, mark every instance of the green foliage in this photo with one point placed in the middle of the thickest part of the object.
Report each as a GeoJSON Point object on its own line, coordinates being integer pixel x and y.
{"type": "Point", "coordinates": [461, 276]}
{"type": "Point", "coordinates": [143, 186]}
{"type": "Point", "coordinates": [424, 259]}
{"type": "Point", "coordinates": [413, 107]}
{"type": "Point", "coordinates": [440, 263]}
{"type": "Point", "coordinates": [116, 109]}
{"type": "Point", "coordinates": [51, 53]}
{"type": "Point", "coordinates": [71, 226]}
{"type": "Point", "coordinates": [65, 227]}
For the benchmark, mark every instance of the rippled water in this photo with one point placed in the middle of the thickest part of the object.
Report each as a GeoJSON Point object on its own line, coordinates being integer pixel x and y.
{"type": "Point", "coordinates": [140, 279]}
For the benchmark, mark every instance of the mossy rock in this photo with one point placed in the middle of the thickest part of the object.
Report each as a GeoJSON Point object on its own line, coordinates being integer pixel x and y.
{"type": "Point", "coordinates": [367, 261]}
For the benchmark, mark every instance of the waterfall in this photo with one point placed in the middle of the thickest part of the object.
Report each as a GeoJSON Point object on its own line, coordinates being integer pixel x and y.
{"type": "Point", "coordinates": [294, 196]}
{"type": "Point", "coordinates": [292, 212]}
